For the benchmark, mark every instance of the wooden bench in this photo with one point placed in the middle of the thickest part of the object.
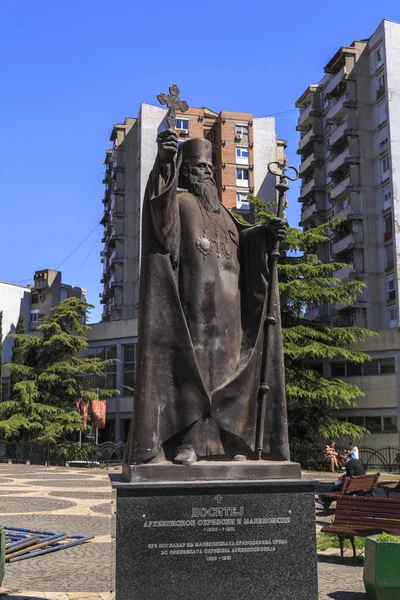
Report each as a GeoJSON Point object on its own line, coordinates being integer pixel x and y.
{"type": "Point", "coordinates": [390, 487]}
{"type": "Point", "coordinates": [362, 485]}
{"type": "Point", "coordinates": [360, 516]}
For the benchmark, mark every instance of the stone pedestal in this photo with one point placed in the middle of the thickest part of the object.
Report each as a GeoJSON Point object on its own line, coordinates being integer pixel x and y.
{"type": "Point", "coordinates": [230, 539]}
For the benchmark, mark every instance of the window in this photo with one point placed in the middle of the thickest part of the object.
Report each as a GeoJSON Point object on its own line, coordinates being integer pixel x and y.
{"type": "Point", "coordinates": [392, 312]}
{"type": "Point", "coordinates": [107, 381]}
{"type": "Point", "coordinates": [390, 289]}
{"type": "Point", "coordinates": [318, 367]}
{"type": "Point", "coordinates": [354, 369]}
{"type": "Point", "coordinates": [34, 316]}
{"type": "Point", "coordinates": [34, 298]}
{"type": "Point", "coordinates": [386, 197]}
{"type": "Point", "coordinates": [5, 391]}
{"type": "Point", "coordinates": [241, 130]}
{"type": "Point", "coordinates": [389, 424]}
{"type": "Point", "coordinates": [380, 85]}
{"type": "Point", "coordinates": [379, 56]}
{"type": "Point", "coordinates": [356, 421]}
{"type": "Point", "coordinates": [182, 124]}
{"type": "Point", "coordinates": [387, 227]}
{"type": "Point", "coordinates": [242, 177]}
{"type": "Point", "coordinates": [338, 369]}
{"type": "Point", "coordinates": [328, 200]}
{"type": "Point", "coordinates": [371, 368]}
{"type": "Point", "coordinates": [387, 366]}
{"type": "Point", "coordinates": [64, 294]}
{"type": "Point", "coordinates": [242, 201]}
{"type": "Point", "coordinates": [373, 424]}
{"type": "Point", "coordinates": [381, 113]}
{"type": "Point", "coordinates": [129, 367]}
{"type": "Point", "coordinates": [385, 166]}
{"type": "Point", "coordinates": [383, 145]}
{"type": "Point", "coordinates": [389, 257]}
{"type": "Point", "coordinates": [242, 155]}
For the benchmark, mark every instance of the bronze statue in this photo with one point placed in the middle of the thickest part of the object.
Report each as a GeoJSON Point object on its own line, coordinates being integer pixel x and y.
{"type": "Point", "coordinates": [202, 308]}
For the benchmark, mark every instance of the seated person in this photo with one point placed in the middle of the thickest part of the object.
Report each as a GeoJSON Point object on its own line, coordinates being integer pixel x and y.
{"type": "Point", "coordinates": [352, 451]}
{"type": "Point", "coordinates": [331, 457]}
{"type": "Point", "coordinates": [354, 467]}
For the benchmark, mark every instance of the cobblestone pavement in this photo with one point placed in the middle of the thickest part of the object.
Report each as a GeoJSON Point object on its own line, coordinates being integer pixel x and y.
{"type": "Point", "coordinates": [33, 498]}
{"type": "Point", "coordinates": [75, 501]}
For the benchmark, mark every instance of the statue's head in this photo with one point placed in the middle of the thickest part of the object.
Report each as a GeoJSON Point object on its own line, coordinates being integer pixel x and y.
{"type": "Point", "coordinates": [197, 174]}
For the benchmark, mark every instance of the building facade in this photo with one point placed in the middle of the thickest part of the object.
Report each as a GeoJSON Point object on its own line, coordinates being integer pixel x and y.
{"type": "Point", "coordinates": [350, 167]}
{"type": "Point", "coordinates": [117, 340]}
{"type": "Point", "coordinates": [34, 302]}
{"type": "Point", "coordinates": [242, 148]}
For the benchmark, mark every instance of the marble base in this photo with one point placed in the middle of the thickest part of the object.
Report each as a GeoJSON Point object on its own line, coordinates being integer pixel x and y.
{"type": "Point", "coordinates": [212, 471]}
{"type": "Point", "coordinates": [232, 539]}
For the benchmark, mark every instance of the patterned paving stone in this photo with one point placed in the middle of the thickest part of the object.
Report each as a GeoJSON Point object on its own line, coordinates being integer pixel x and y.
{"type": "Point", "coordinates": [51, 476]}
{"type": "Point", "coordinates": [69, 483]}
{"type": "Point", "coordinates": [339, 580]}
{"type": "Point", "coordinates": [83, 495]}
{"type": "Point", "coordinates": [85, 568]}
{"type": "Point", "coordinates": [102, 508]}
{"type": "Point", "coordinates": [73, 524]}
{"type": "Point", "coordinates": [16, 504]}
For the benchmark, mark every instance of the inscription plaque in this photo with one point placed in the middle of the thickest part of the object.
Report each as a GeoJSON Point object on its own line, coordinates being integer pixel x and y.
{"type": "Point", "coordinates": [238, 541]}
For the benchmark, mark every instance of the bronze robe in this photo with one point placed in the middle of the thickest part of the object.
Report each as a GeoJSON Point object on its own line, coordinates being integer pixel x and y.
{"type": "Point", "coordinates": [200, 329]}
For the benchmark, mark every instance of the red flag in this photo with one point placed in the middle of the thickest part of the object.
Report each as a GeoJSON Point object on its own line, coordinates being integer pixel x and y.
{"type": "Point", "coordinates": [99, 413]}
{"type": "Point", "coordinates": [82, 407]}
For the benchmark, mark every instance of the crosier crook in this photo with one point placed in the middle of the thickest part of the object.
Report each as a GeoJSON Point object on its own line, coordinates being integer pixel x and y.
{"type": "Point", "coordinates": [270, 319]}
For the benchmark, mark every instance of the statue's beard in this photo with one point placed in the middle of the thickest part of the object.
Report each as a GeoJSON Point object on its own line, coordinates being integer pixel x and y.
{"type": "Point", "coordinates": [205, 190]}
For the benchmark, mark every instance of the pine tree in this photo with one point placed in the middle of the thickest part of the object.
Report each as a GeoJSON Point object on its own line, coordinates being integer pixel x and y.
{"type": "Point", "coordinates": [305, 279]}
{"type": "Point", "coordinates": [53, 375]}
{"type": "Point", "coordinates": [17, 353]}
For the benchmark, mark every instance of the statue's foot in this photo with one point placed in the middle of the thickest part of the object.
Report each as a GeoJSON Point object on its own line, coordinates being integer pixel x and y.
{"type": "Point", "coordinates": [240, 457]}
{"type": "Point", "coordinates": [185, 456]}
{"type": "Point", "coordinates": [160, 457]}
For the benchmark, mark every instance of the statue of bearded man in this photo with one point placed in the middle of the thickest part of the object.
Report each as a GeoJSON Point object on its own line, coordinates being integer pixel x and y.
{"type": "Point", "coordinates": [202, 302]}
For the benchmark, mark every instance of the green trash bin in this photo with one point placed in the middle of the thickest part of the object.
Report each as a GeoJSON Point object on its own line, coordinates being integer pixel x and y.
{"type": "Point", "coordinates": [2, 554]}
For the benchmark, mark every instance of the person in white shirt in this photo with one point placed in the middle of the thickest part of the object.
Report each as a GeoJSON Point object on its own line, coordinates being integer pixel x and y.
{"type": "Point", "coordinates": [352, 452]}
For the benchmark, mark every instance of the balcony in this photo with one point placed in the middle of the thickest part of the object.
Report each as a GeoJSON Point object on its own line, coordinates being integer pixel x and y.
{"type": "Point", "coordinates": [308, 212]}
{"type": "Point", "coordinates": [343, 212]}
{"type": "Point", "coordinates": [338, 135]}
{"type": "Point", "coordinates": [306, 139]}
{"type": "Point", "coordinates": [307, 164]}
{"type": "Point", "coordinates": [337, 111]}
{"type": "Point", "coordinates": [344, 244]}
{"type": "Point", "coordinates": [313, 314]}
{"type": "Point", "coordinates": [336, 80]}
{"type": "Point", "coordinates": [341, 190]}
{"type": "Point", "coordinates": [344, 272]}
{"type": "Point", "coordinates": [116, 256]}
{"type": "Point", "coordinates": [339, 163]}
{"type": "Point", "coordinates": [307, 188]}
{"type": "Point", "coordinates": [305, 118]}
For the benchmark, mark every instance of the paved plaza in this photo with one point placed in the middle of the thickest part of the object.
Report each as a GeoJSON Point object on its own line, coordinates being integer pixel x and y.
{"type": "Point", "coordinates": [79, 501]}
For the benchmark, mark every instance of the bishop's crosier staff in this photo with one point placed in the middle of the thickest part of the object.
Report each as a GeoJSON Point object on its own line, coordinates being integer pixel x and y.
{"type": "Point", "coordinates": [270, 319]}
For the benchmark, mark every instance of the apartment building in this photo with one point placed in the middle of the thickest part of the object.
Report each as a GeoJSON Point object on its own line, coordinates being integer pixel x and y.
{"type": "Point", "coordinates": [350, 167]}
{"type": "Point", "coordinates": [34, 302]}
{"type": "Point", "coordinates": [242, 147]}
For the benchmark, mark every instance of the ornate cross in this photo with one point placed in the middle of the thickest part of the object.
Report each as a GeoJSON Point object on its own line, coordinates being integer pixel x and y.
{"type": "Point", "coordinates": [174, 103]}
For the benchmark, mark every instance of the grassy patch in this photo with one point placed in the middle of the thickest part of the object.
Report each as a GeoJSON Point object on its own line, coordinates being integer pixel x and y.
{"type": "Point", "coordinates": [325, 541]}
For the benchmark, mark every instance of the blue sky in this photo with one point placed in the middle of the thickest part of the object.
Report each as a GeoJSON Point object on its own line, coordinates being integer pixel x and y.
{"type": "Point", "coordinates": [72, 69]}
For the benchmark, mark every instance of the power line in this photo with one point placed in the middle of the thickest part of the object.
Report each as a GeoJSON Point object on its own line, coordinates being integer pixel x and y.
{"type": "Point", "coordinates": [285, 112]}
{"type": "Point", "coordinates": [87, 256]}
{"type": "Point", "coordinates": [78, 246]}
